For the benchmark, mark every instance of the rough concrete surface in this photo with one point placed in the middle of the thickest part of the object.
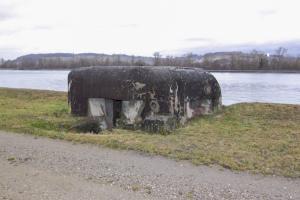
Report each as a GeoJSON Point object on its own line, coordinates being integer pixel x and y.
{"type": "Point", "coordinates": [41, 168]}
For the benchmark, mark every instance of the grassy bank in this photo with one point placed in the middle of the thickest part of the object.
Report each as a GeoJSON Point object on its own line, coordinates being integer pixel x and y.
{"type": "Point", "coordinates": [263, 138]}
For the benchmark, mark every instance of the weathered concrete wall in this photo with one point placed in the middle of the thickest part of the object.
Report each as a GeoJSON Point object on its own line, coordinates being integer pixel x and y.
{"type": "Point", "coordinates": [145, 92]}
{"type": "Point", "coordinates": [102, 110]}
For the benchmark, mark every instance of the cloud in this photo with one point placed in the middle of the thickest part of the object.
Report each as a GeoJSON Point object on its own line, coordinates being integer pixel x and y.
{"type": "Point", "coordinates": [40, 28]}
{"type": "Point", "coordinates": [6, 32]}
{"type": "Point", "coordinates": [9, 52]}
{"type": "Point", "coordinates": [293, 47]}
{"type": "Point", "coordinates": [265, 13]}
{"type": "Point", "coordinates": [20, 29]}
{"type": "Point", "coordinates": [129, 25]}
{"type": "Point", "coordinates": [199, 39]}
{"type": "Point", "coordinates": [5, 15]}
{"type": "Point", "coordinates": [6, 11]}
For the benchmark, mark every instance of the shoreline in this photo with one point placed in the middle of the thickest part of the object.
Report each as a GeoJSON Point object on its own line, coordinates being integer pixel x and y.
{"type": "Point", "coordinates": [220, 71]}
{"type": "Point", "coordinates": [257, 71]}
{"type": "Point", "coordinates": [4, 69]}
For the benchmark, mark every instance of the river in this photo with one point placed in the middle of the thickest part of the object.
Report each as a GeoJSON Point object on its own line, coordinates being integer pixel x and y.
{"type": "Point", "coordinates": [236, 87]}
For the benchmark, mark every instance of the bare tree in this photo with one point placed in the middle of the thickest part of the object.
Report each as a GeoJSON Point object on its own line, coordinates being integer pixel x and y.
{"type": "Point", "coordinates": [157, 58]}
{"type": "Point", "coordinates": [260, 59]}
{"type": "Point", "coordinates": [188, 59]}
{"type": "Point", "coordinates": [281, 52]}
{"type": "Point", "coordinates": [132, 60]}
{"type": "Point", "coordinates": [278, 60]}
{"type": "Point", "coordinates": [2, 61]}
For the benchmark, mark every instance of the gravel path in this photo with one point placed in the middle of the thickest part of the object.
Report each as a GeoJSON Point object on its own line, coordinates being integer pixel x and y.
{"type": "Point", "coordinates": [41, 168]}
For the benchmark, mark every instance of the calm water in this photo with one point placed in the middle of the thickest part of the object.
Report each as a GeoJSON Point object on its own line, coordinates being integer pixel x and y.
{"type": "Point", "coordinates": [236, 87]}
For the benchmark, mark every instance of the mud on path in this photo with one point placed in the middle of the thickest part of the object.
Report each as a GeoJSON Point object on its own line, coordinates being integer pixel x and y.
{"type": "Point", "coordinates": [41, 168]}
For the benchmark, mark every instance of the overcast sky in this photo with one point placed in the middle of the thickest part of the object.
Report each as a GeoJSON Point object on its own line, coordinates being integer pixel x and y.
{"type": "Point", "coordinates": [142, 26]}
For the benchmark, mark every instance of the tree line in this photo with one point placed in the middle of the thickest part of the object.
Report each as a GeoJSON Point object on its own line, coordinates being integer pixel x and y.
{"type": "Point", "coordinates": [254, 60]}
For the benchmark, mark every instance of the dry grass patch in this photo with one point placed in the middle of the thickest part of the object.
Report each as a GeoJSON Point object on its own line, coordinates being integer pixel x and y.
{"type": "Point", "coordinates": [261, 138]}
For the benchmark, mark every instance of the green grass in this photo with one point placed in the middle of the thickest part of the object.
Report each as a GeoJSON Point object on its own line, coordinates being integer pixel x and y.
{"type": "Point", "coordinates": [256, 137]}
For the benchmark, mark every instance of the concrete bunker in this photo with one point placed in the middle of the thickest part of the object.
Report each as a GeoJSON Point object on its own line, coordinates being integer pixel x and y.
{"type": "Point", "coordinates": [151, 98]}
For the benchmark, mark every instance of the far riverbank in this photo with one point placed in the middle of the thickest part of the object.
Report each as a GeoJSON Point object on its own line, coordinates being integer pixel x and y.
{"type": "Point", "coordinates": [209, 70]}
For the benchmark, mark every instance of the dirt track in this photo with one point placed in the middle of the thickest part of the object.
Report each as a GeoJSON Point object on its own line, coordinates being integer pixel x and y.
{"type": "Point", "coordinates": [40, 168]}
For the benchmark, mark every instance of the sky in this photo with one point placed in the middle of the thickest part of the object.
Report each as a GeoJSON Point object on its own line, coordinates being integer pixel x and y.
{"type": "Point", "coordinates": [141, 27]}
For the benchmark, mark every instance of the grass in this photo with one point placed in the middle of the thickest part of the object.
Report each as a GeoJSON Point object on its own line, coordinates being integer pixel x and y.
{"type": "Point", "coordinates": [256, 137]}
